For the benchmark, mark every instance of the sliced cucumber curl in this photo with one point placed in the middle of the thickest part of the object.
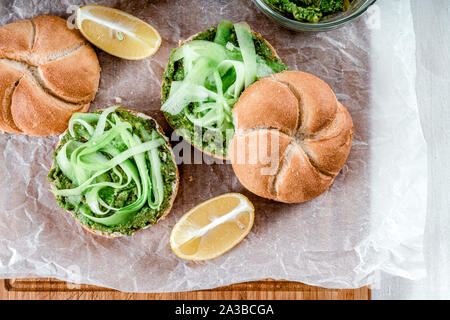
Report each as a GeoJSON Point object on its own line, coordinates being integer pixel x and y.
{"type": "Point", "coordinates": [113, 152]}
{"type": "Point", "coordinates": [215, 74]}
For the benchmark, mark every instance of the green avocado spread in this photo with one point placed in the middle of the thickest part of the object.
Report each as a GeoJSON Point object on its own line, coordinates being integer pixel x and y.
{"type": "Point", "coordinates": [116, 198]}
{"type": "Point", "coordinates": [309, 10]}
{"type": "Point", "coordinates": [198, 136]}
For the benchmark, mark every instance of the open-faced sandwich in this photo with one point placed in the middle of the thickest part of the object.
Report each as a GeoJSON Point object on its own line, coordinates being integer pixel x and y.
{"type": "Point", "coordinates": [115, 171]}
{"type": "Point", "coordinates": [205, 77]}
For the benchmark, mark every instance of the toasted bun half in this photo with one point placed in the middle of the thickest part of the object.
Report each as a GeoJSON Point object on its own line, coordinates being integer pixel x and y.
{"type": "Point", "coordinates": [272, 49]}
{"type": "Point", "coordinates": [292, 137]}
{"type": "Point", "coordinates": [47, 72]}
{"type": "Point", "coordinates": [172, 197]}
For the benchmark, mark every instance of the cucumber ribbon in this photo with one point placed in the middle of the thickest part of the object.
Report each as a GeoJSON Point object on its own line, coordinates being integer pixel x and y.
{"type": "Point", "coordinates": [215, 74]}
{"type": "Point", "coordinates": [110, 161]}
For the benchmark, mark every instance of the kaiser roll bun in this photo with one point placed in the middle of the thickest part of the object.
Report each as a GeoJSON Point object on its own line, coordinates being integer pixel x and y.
{"type": "Point", "coordinates": [292, 137]}
{"type": "Point", "coordinates": [47, 72]}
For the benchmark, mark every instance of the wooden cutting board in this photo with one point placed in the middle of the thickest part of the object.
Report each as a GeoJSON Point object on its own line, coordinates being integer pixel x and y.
{"type": "Point", "coordinates": [45, 289]}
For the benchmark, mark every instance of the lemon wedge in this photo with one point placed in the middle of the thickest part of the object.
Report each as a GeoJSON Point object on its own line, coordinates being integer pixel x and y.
{"type": "Point", "coordinates": [213, 227]}
{"type": "Point", "coordinates": [117, 32]}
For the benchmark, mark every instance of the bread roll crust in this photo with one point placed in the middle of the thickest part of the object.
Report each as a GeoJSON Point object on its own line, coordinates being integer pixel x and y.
{"type": "Point", "coordinates": [8, 82]}
{"type": "Point", "coordinates": [256, 157]}
{"type": "Point", "coordinates": [73, 82]}
{"type": "Point", "coordinates": [298, 179]}
{"type": "Point", "coordinates": [53, 38]}
{"type": "Point", "coordinates": [311, 153]}
{"type": "Point", "coordinates": [317, 102]}
{"type": "Point", "coordinates": [263, 102]}
{"type": "Point", "coordinates": [59, 75]}
{"type": "Point", "coordinates": [37, 113]}
{"type": "Point", "coordinates": [16, 38]}
{"type": "Point", "coordinates": [328, 148]}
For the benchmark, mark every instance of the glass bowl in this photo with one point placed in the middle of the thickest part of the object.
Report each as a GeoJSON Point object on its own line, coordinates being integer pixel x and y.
{"type": "Point", "coordinates": [357, 8]}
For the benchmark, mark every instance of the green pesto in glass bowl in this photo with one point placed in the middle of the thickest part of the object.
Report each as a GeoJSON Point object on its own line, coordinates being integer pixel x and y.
{"type": "Point", "coordinates": [327, 21]}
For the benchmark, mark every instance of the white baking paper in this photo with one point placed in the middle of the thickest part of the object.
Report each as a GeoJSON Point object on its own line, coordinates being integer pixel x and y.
{"type": "Point", "coordinates": [370, 220]}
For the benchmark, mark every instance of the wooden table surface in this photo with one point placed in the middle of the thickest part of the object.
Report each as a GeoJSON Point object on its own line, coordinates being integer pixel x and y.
{"type": "Point", "coordinates": [45, 289]}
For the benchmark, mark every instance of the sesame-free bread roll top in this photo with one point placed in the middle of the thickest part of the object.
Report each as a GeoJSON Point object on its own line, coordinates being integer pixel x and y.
{"type": "Point", "coordinates": [267, 104]}
{"type": "Point", "coordinates": [9, 77]}
{"type": "Point", "coordinates": [298, 180]}
{"type": "Point", "coordinates": [317, 102]}
{"type": "Point", "coordinates": [47, 72]}
{"type": "Point", "coordinates": [53, 38]}
{"type": "Point", "coordinates": [73, 81]}
{"type": "Point", "coordinates": [315, 133]}
{"type": "Point", "coordinates": [256, 157]}
{"type": "Point", "coordinates": [16, 38]}
{"type": "Point", "coordinates": [39, 114]}
{"type": "Point", "coordinates": [329, 148]}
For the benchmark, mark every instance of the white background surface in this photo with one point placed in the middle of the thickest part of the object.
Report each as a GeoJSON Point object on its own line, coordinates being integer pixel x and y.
{"type": "Point", "coordinates": [432, 27]}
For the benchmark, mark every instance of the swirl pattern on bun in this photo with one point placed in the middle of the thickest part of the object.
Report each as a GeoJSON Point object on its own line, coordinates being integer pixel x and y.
{"type": "Point", "coordinates": [292, 137]}
{"type": "Point", "coordinates": [47, 72]}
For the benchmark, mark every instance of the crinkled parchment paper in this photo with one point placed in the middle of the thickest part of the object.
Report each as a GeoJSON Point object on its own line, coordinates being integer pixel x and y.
{"type": "Point", "coordinates": [370, 220]}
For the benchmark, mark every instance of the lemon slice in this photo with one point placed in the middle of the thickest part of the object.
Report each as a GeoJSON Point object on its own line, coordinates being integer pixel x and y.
{"type": "Point", "coordinates": [213, 227]}
{"type": "Point", "coordinates": [117, 32]}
